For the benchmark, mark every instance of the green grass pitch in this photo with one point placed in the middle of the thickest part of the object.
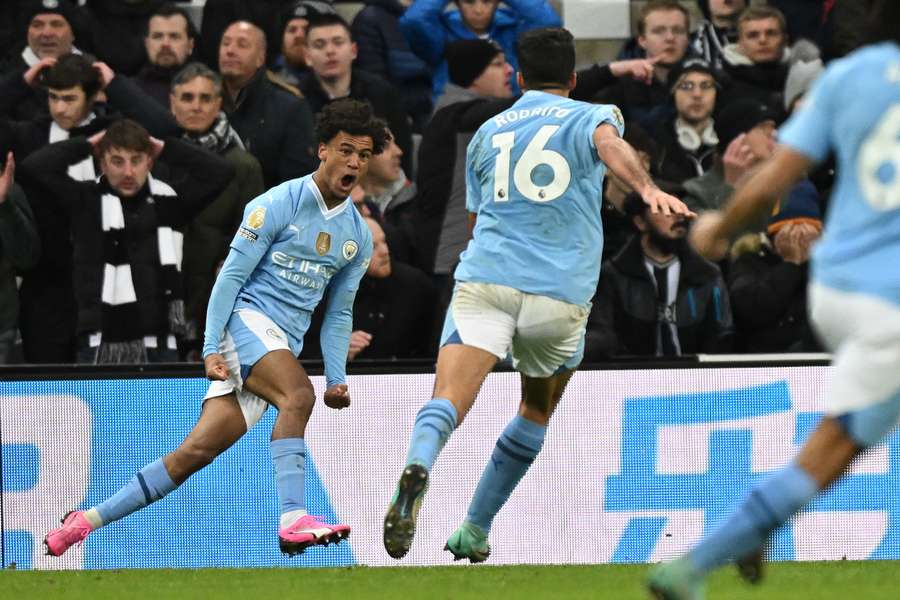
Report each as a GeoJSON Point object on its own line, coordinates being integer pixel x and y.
{"type": "Point", "coordinates": [873, 580]}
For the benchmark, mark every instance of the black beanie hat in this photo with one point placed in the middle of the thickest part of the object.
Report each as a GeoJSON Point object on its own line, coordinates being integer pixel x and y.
{"type": "Point", "coordinates": [467, 59]}
{"type": "Point", "coordinates": [740, 117]}
{"type": "Point", "coordinates": [60, 7]}
{"type": "Point", "coordinates": [305, 9]}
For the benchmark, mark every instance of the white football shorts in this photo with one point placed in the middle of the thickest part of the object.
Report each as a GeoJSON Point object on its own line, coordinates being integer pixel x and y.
{"type": "Point", "coordinates": [863, 332]}
{"type": "Point", "coordinates": [249, 335]}
{"type": "Point", "coordinates": [543, 335]}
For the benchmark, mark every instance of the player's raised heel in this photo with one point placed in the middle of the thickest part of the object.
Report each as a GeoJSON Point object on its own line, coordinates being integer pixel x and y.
{"type": "Point", "coordinates": [309, 531]}
{"type": "Point", "coordinates": [74, 530]}
{"type": "Point", "coordinates": [469, 541]}
{"type": "Point", "coordinates": [674, 581]}
{"type": "Point", "coordinates": [400, 521]}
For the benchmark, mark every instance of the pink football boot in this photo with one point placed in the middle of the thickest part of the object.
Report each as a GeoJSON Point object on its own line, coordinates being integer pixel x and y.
{"type": "Point", "coordinates": [74, 530]}
{"type": "Point", "coordinates": [309, 531]}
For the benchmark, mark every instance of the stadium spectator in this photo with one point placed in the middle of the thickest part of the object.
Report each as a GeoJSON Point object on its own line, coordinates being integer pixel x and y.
{"type": "Point", "coordinates": [639, 87]}
{"type": "Point", "coordinates": [478, 89]}
{"type": "Point", "coordinates": [72, 85]}
{"type": "Point", "coordinates": [51, 26]}
{"type": "Point", "coordinates": [48, 312]}
{"type": "Point", "coordinates": [757, 64]}
{"type": "Point", "coordinates": [688, 141]}
{"type": "Point", "coordinates": [384, 51]}
{"type": "Point", "coordinates": [394, 307]}
{"type": "Point", "coordinates": [218, 15]}
{"type": "Point", "coordinates": [169, 42]}
{"type": "Point", "coordinates": [195, 115]}
{"type": "Point", "coordinates": [428, 29]}
{"type": "Point", "coordinates": [196, 103]}
{"type": "Point", "coordinates": [128, 286]}
{"type": "Point", "coordinates": [19, 247]}
{"type": "Point", "coordinates": [118, 29]}
{"type": "Point", "coordinates": [390, 194]}
{"type": "Point", "coordinates": [330, 52]}
{"type": "Point", "coordinates": [746, 132]}
{"type": "Point", "coordinates": [291, 63]}
{"type": "Point", "coordinates": [717, 29]}
{"type": "Point", "coordinates": [769, 274]}
{"type": "Point", "coordinates": [274, 123]}
{"type": "Point", "coordinates": [657, 297]}
{"type": "Point", "coordinates": [617, 226]}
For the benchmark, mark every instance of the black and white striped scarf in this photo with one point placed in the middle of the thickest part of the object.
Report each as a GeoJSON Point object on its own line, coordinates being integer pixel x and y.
{"type": "Point", "coordinates": [122, 314]}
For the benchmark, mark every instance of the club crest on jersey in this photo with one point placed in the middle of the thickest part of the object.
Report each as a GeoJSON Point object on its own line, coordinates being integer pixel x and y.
{"type": "Point", "coordinates": [323, 243]}
{"type": "Point", "coordinates": [617, 115]}
{"type": "Point", "coordinates": [349, 249]}
{"type": "Point", "coordinates": [257, 217]}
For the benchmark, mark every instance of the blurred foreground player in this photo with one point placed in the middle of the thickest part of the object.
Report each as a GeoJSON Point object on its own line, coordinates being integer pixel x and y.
{"type": "Point", "coordinates": [295, 241]}
{"type": "Point", "coordinates": [854, 298]}
{"type": "Point", "coordinates": [534, 175]}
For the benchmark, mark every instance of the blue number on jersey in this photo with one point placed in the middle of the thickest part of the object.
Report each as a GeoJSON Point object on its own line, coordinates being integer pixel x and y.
{"type": "Point", "coordinates": [535, 181]}
{"type": "Point", "coordinates": [854, 109]}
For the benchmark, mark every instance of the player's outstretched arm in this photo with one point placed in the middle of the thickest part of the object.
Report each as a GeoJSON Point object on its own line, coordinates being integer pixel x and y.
{"type": "Point", "coordinates": [710, 234]}
{"type": "Point", "coordinates": [621, 158]}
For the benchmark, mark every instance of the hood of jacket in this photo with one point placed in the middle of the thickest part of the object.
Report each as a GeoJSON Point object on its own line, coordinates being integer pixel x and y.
{"type": "Point", "coordinates": [453, 94]}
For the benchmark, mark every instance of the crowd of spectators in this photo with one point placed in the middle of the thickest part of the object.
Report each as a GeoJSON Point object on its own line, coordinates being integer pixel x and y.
{"type": "Point", "coordinates": [131, 140]}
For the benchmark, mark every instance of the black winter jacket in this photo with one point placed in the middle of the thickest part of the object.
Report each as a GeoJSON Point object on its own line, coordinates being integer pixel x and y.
{"type": "Point", "coordinates": [623, 319]}
{"type": "Point", "coordinates": [276, 127]}
{"type": "Point", "coordinates": [199, 176]}
{"type": "Point", "coordinates": [384, 51]}
{"type": "Point", "coordinates": [384, 100]}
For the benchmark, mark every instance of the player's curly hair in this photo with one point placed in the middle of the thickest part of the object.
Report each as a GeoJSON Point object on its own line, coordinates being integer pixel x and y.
{"type": "Point", "coordinates": [353, 117]}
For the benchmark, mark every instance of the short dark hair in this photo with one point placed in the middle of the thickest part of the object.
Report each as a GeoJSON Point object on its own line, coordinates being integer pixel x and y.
{"type": "Point", "coordinates": [192, 71]}
{"type": "Point", "coordinates": [758, 13]}
{"type": "Point", "coordinates": [546, 57]}
{"type": "Point", "coordinates": [127, 135]}
{"type": "Point", "coordinates": [353, 117]}
{"type": "Point", "coordinates": [660, 5]}
{"type": "Point", "coordinates": [73, 70]}
{"type": "Point", "coordinates": [326, 20]}
{"type": "Point", "coordinates": [167, 10]}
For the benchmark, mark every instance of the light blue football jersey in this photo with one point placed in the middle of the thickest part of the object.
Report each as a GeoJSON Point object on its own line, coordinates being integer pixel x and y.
{"type": "Point", "coordinates": [854, 109]}
{"type": "Point", "coordinates": [534, 180]}
{"type": "Point", "coordinates": [289, 249]}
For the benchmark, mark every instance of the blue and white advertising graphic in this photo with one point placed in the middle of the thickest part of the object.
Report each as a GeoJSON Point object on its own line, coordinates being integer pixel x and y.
{"type": "Point", "coordinates": [637, 465]}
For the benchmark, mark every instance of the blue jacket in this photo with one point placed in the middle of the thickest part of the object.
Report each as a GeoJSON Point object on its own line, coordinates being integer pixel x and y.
{"type": "Point", "coordinates": [429, 29]}
{"type": "Point", "coordinates": [384, 51]}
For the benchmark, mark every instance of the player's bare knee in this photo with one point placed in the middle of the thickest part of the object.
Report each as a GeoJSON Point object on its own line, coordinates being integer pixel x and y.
{"type": "Point", "coordinates": [190, 458]}
{"type": "Point", "coordinates": [298, 401]}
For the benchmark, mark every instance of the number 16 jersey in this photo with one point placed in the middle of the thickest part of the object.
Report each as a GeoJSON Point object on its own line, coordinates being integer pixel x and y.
{"type": "Point", "coordinates": [534, 180]}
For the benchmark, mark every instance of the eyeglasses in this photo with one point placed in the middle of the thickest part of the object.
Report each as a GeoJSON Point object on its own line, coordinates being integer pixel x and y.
{"type": "Point", "coordinates": [688, 86]}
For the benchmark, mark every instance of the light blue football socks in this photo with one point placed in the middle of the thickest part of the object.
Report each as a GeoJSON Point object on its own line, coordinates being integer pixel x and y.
{"type": "Point", "coordinates": [289, 458]}
{"type": "Point", "coordinates": [768, 505]}
{"type": "Point", "coordinates": [434, 424]}
{"type": "Point", "coordinates": [146, 487]}
{"type": "Point", "coordinates": [516, 449]}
